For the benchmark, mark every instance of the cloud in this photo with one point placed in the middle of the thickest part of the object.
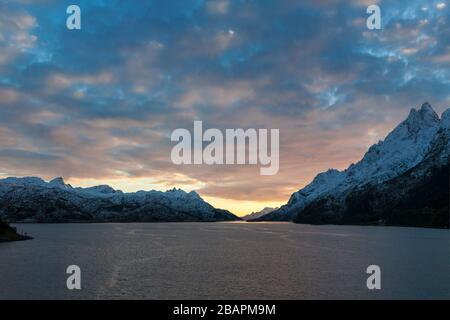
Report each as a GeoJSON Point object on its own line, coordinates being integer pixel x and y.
{"type": "Point", "coordinates": [25, 154]}
{"type": "Point", "coordinates": [61, 81]}
{"type": "Point", "coordinates": [16, 36]}
{"type": "Point", "coordinates": [98, 105]}
{"type": "Point", "coordinates": [218, 6]}
{"type": "Point", "coordinates": [441, 6]}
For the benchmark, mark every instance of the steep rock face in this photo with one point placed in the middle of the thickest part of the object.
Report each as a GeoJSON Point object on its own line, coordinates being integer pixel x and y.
{"type": "Point", "coordinates": [419, 197]}
{"type": "Point", "coordinates": [383, 188]}
{"type": "Point", "coordinates": [34, 200]}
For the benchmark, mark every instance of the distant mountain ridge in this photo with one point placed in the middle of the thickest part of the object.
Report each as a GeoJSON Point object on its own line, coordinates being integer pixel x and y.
{"type": "Point", "coordinates": [402, 180]}
{"type": "Point", "coordinates": [257, 214]}
{"type": "Point", "coordinates": [32, 199]}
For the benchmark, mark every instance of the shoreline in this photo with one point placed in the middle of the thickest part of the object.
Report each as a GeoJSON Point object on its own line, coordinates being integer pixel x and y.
{"type": "Point", "coordinates": [9, 234]}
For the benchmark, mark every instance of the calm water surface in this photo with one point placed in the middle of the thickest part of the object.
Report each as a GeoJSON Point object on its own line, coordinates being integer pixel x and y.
{"type": "Point", "coordinates": [225, 261]}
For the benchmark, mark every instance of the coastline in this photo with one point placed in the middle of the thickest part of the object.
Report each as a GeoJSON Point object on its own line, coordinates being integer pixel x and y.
{"type": "Point", "coordinates": [8, 234]}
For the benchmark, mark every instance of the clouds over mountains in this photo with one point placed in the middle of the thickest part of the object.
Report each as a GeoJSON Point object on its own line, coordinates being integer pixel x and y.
{"type": "Point", "coordinates": [100, 103]}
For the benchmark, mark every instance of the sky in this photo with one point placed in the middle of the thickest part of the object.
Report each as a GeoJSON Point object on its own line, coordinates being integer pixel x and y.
{"type": "Point", "coordinates": [98, 105]}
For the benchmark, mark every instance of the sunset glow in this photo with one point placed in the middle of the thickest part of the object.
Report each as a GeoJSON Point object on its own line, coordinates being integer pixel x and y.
{"type": "Point", "coordinates": [98, 105]}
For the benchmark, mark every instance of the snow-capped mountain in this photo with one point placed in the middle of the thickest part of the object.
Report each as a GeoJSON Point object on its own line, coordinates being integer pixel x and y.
{"type": "Point", "coordinates": [257, 214]}
{"type": "Point", "coordinates": [417, 148]}
{"type": "Point", "coordinates": [34, 200]}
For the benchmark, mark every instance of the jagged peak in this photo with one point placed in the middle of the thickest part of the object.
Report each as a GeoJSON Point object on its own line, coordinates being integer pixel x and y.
{"type": "Point", "coordinates": [194, 194]}
{"type": "Point", "coordinates": [330, 173]}
{"type": "Point", "coordinates": [58, 181]}
{"type": "Point", "coordinates": [445, 118]}
{"type": "Point", "coordinates": [416, 122]}
{"type": "Point", "coordinates": [426, 107]}
{"type": "Point", "coordinates": [425, 115]}
{"type": "Point", "coordinates": [177, 192]}
{"type": "Point", "coordinates": [427, 111]}
{"type": "Point", "coordinates": [104, 188]}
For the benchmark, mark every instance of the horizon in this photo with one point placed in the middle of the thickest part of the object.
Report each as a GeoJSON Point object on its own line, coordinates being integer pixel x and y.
{"type": "Point", "coordinates": [97, 105]}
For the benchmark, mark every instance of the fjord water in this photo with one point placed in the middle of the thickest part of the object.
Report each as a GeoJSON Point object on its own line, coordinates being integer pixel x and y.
{"type": "Point", "coordinates": [225, 261]}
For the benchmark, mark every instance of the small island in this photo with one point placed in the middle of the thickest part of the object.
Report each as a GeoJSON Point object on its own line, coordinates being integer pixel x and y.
{"type": "Point", "coordinates": [8, 233]}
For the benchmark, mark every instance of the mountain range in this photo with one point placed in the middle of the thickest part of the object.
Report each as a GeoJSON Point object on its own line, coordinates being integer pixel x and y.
{"type": "Point", "coordinates": [257, 214]}
{"type": "Point", "coordinates": [403, 181]}
{"type": "Point", "coordinates": [32, 199]}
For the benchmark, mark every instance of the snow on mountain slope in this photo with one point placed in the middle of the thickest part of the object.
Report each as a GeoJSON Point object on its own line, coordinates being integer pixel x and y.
{"type": "Point", "coordinates": [255, 215]}
{"type": "Point", "coordinates": [33, 199]}
{"type": "Point", "coordinates": [401, 150]}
